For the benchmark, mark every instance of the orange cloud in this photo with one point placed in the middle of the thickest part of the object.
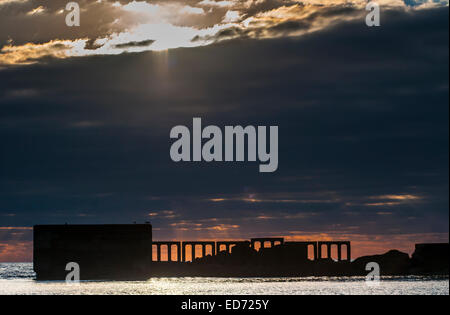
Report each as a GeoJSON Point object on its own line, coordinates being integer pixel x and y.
{"type": "Point", "coordinates": [16, 251]}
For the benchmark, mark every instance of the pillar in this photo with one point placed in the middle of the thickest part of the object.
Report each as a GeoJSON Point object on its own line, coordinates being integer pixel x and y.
{"type": "Point", "coordinates": [158, 252]}
{"type": "Point", "coordinates": [192, 252]}
{"type": "Point", "coordinates": [169, 252]}
{"type": "Point", "coordinates": [329, 250]}
{"type": "Point", "coordinates": [315, 251]}
{"type": "Point", "coordinates": [339, 248]}
{"type": "Point", "coordinates": [179, 252]}
{"type": "Point", "coordinates": [212, 253]}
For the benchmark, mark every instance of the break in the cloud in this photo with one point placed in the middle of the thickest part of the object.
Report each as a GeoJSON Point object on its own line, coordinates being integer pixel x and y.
{"type": "Point", "coordinates": [35, 30]}
{"type": "Point", "coordinates": [15, 244]}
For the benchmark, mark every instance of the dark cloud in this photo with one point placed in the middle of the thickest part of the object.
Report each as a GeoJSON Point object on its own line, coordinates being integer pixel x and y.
{"type": "Point", "coordinates": [108, 26]}
{"type": "Point", "coordinates": [362, 112]}
{"type": "Point", "coordinates": [298, 20]}
{"type": "Point", "coordinates": [144, 43]}
{"type": "Point", "coordinates": [19, 234]}
{"type": "Point", "coordinates": [18, 26]}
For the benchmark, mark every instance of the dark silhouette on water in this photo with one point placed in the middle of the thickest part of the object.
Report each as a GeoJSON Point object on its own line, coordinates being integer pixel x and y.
{"type": "Point", "coordinates": [125, 252]}
{"type": "Point", "coordinates": [102, 251]}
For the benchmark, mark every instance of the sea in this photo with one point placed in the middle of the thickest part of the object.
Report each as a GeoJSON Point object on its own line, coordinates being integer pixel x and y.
{"type": "Point", "coordinates": [18, 279]}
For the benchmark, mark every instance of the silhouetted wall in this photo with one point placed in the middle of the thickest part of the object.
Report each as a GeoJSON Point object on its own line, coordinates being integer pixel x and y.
{"type": "Point", "coordinates": [98, 249]}
{"type": "Point", "coordinates": [430, 258]}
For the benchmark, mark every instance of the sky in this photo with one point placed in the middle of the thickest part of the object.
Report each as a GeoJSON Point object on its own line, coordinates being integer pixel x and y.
{"type": "Point", "coordinates": [86, 113]}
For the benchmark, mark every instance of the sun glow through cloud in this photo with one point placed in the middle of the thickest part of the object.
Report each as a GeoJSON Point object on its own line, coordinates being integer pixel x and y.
{"type": "Point", "coordinates": [138, 26]}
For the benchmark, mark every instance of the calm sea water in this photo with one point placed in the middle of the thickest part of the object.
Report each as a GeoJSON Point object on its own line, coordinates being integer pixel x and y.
{"type": "Point", "coordinates": [18, 279]}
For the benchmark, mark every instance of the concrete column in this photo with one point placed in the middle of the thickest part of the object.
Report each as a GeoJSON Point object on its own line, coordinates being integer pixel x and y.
{"type": "Point", "coordinates": [315, 251]}
{"type": "Point", "coordinates": [158, 252]}
{"type": "Point", "coordinates": [183, 252]}
{"type": "Point", "coordinates": [329, 251]}
{"type": "Point", "coordinates": [169, 252]}
{"type": "Point", "coordinates": [179, 252]}
{"type": "Point", "coordinates": [192, 252]}
{"type": "Point", "coordinates": [203, 250]}
{"type": "Point", "coordinates": [339, 246]}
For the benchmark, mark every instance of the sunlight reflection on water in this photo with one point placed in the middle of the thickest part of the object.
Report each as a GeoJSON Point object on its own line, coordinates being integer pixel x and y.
{"type": "Point", "coordinates": [18, 279]}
